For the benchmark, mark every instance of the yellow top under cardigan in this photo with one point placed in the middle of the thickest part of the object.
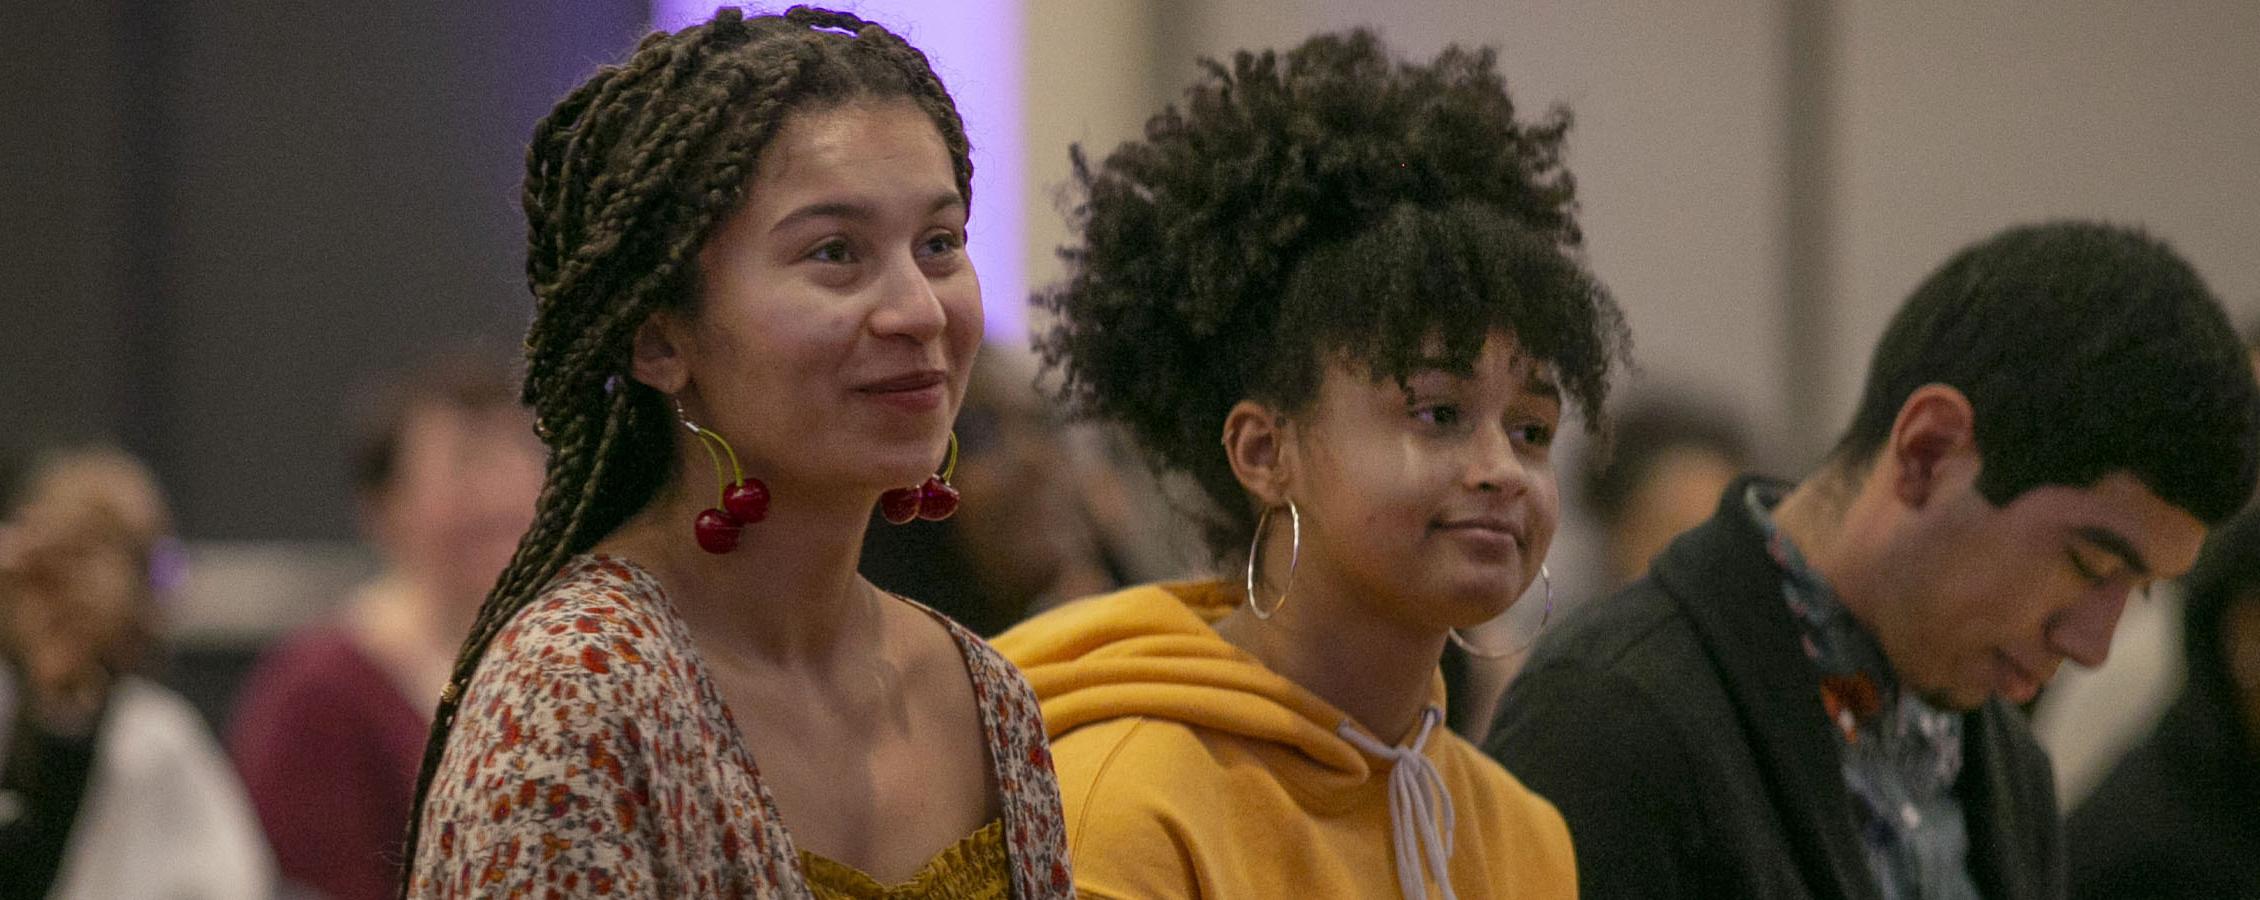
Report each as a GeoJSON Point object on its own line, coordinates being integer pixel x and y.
{"type": "Point", "coordinates": [975, 868]}
{"type": "Point", "coordinates": [1190, 770]}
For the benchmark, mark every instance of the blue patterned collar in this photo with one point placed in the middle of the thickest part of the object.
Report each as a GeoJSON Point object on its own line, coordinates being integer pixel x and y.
{"type": "Point", "coordinates": [1838, 645]}
{"type": "Point", "coordinates": [1833, 640]}
{"type": "Point", "coordinates": [1901, 756]}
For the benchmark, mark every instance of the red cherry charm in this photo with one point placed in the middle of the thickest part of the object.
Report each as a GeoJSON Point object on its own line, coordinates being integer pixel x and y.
{"type": "Point", "coordinates": [936, 500]}
{"type": "Point", "coordinates": [900, 505]}
{"type": "Point", "coordinates": [747, 501]}
{"type": "Point", "coordinates": [717, 531]}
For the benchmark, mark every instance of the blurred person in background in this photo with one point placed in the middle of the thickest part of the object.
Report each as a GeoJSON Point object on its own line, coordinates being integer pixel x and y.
{"type": "Point", "coordinates": [110, 786]}
{"type": "Point", "coordinates": [328, 730]}
{"type": "Point", "coordinates": [1669, 457]}
{"type": "Point", "coordinates": [1673, 455]}
{"type": "Point", "coordinates": [1814, 693]}
{"type": "Point", "coordinates": [1031, 541]}
{"type": "Point", "coordinates": [2178, 818]}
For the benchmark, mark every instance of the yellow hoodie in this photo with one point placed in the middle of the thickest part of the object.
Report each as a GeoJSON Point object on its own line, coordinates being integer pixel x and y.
{"type": "Point", "coordinates": [1191, 770]}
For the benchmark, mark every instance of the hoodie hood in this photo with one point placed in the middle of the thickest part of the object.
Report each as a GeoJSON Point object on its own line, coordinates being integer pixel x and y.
{"type": "Point", "coordinates": [1150, 651]}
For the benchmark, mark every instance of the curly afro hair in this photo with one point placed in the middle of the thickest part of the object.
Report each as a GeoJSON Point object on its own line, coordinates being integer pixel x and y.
{"type": "Point", "coordinates": [1328, 205]}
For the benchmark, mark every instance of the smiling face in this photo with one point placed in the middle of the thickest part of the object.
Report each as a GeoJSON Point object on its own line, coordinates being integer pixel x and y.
{"type": "Point", "coordinates": [1432, 501]}
{"type": "Point", "coordinates": [838, 314]}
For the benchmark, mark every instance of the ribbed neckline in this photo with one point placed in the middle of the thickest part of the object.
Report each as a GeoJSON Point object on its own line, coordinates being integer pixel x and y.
{"type": "Point", "coordinates": [974, 867]}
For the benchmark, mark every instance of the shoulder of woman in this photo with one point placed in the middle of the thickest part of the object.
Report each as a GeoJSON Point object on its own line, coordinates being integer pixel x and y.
{"type": "Point", "coordinates": [1138, 795]}
{"type": "Point", "coordinates": [590, 622]}
{"type": "Point", "coordinates": [1136, 771]}
{"type": "Point", "coordinates": [587, 657]}
{"type": "Point", "coordinates": [1010, 716]}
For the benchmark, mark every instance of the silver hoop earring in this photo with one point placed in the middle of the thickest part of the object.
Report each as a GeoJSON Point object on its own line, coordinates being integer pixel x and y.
{"type": "Point", "coordinates": [1544, 615]}
{"type": "Point", "coordinates": [1294, 557]}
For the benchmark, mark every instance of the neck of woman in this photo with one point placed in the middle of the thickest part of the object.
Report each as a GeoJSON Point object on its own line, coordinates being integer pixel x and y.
{"type": "Point", "coordinates": [1377, 670]}
{"type": "Point", "coordinates": [788, 595]}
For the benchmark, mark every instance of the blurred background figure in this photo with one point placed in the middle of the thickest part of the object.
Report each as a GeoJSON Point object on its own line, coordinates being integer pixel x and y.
{"type": "Point", "coordinates": [1673, 456]}
{"type": "Point", "coordinates": [329, 728]}
{"type": "Point", "coordinates": [110, 786]}
{"type": "Point", "coordinates": [1047, 514]}
{"type": "Point", "coordinates": [2179, 817]}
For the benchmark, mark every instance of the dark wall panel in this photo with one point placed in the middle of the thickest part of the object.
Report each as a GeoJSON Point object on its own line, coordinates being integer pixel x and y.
{"type": "Point", "coordinates": [61, 189]}
{"type": "Point", "coordinates": [323, 192]}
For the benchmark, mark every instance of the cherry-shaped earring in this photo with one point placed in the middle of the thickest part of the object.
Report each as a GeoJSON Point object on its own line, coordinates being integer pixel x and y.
{"type": "Point", "coordinates": [744, 500]}
{"type": "Point", "coordinates": [933, 501]}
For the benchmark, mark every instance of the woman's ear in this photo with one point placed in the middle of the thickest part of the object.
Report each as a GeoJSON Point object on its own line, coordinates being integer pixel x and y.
{"type": "Point", "coordinates": [658, 356]}
{"type": "Point", "coordinates": [1259, 442]}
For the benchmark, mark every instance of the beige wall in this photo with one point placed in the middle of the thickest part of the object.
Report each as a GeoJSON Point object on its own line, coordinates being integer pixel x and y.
{"type": "Point", "coordinates": [1675, 147]}
{"type": "Point", "coordinates": [1091, 69]}
{"type": "Point", "coordinates": [1960, 119]}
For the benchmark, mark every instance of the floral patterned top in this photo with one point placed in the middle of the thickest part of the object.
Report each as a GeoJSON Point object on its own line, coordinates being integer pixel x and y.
{"type": "Point", "coordinates": [592, 756]}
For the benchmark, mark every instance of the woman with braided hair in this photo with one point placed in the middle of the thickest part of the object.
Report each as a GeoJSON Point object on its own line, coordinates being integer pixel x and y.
{"type": "Point", "coordinates": [1345, 296]}
{"type": "Point", "coordinates": [754, 320]}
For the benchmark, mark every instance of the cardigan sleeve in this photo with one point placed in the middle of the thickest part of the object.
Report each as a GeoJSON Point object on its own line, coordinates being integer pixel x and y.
{"type": "Point", "coordinates": [1035, 826]}
{"type": "Point", "coordinates": [547, 783]}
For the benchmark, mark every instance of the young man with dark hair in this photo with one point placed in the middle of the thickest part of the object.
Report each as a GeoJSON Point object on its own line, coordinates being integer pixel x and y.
{"type": "Point", "coordinates": [1812, 694]}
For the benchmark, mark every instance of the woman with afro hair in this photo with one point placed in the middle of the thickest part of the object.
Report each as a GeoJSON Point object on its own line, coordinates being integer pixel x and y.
{"type": "Point", "coordinates": [1345, 296]}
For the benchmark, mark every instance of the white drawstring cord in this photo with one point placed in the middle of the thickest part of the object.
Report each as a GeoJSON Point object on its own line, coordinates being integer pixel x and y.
{"type": "Point", "coordinates": [1417, 799]}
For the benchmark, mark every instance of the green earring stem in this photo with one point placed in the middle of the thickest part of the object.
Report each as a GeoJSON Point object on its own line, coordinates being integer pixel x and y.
{"type": "Point", "coordinates": [744, 500]}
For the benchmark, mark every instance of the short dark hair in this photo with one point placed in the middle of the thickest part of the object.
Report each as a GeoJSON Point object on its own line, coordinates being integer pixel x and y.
{"type": "Point", "coordinates": [1322, 205]}
{"type": "Point", "coordinates": [459, 379]}
{"type": "Point", "coordinates": [2084, 349]}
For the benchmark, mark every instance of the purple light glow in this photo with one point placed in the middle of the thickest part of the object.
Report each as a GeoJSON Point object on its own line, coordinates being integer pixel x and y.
{"type": "Point", "coordinates": [975, 46]}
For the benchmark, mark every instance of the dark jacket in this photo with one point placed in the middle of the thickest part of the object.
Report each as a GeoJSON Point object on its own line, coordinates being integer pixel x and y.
{"type": "Point", "coordinates": [2179, 817]}
{"type": "Point", "coordinates": [1678, 726]}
